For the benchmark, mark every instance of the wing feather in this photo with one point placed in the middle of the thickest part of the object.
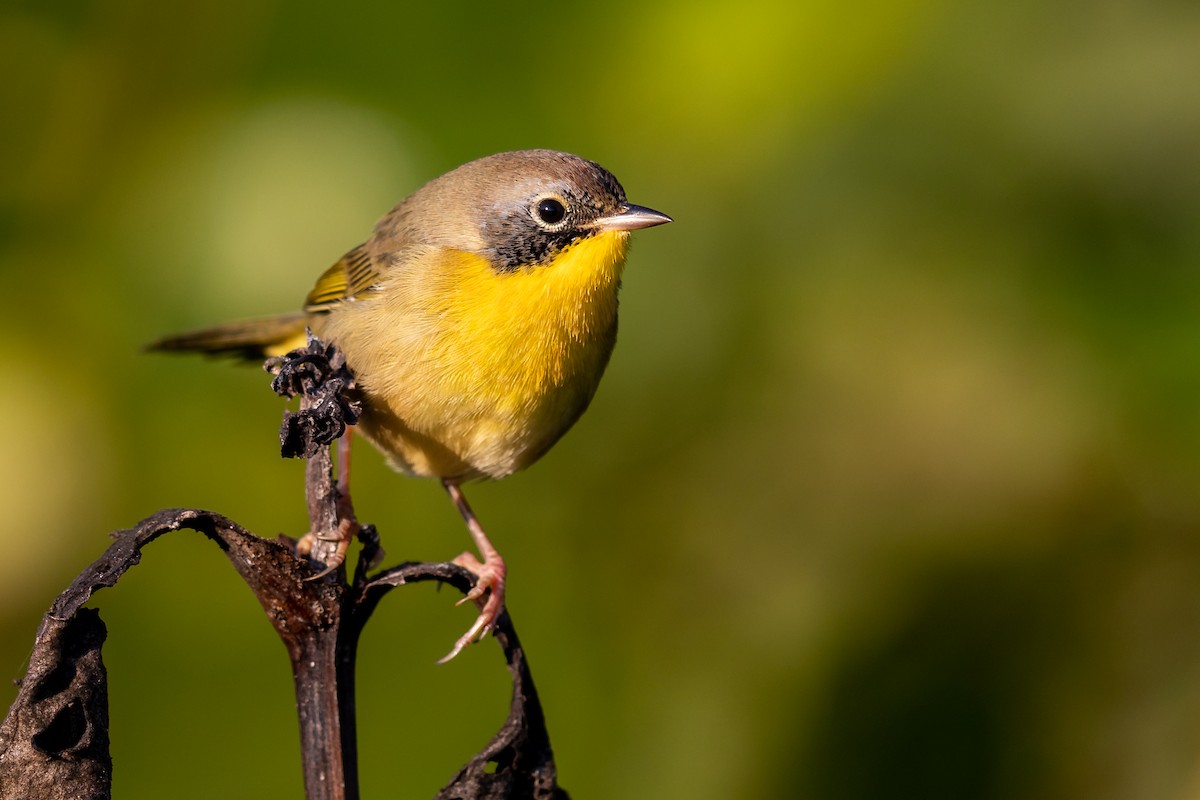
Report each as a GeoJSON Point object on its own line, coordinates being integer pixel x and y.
{"type": "Point", "coordinates": [350, 278]}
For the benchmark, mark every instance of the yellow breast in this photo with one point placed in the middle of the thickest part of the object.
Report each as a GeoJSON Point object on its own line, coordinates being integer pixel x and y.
{"type": "Point", "coordinates": [472, 372]}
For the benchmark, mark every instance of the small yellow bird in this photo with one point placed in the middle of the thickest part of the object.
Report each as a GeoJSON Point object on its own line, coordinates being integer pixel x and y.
{"type": "Point", "coordinates": [477, 319]}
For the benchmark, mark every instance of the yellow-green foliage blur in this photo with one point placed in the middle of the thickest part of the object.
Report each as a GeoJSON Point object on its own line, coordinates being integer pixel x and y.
{"type": "Point", "coordinates": [892, 488]}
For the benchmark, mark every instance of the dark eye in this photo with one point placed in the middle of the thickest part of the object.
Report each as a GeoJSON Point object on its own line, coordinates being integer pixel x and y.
{"type": "Point", "coordinates": [550, 210]}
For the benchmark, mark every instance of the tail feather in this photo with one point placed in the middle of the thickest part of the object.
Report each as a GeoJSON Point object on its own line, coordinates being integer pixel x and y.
{"type": "Point", "coordinates": [254, 339]}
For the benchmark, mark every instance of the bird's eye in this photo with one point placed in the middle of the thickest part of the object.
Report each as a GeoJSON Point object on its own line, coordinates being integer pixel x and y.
{"type": "Point", "coordinates": [550, 211]}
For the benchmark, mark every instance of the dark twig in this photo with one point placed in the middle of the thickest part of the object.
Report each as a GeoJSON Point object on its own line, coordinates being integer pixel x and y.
{"type": "Point", "coordinates": [329, 402]}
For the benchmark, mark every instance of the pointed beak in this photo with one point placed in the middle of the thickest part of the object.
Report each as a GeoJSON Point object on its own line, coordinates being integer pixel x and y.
{"type": "Point", "coordinates": [631, 218]}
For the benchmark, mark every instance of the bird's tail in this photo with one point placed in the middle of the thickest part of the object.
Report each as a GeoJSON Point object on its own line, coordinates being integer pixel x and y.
{"type": "Point", "coordinates": [254, 339]}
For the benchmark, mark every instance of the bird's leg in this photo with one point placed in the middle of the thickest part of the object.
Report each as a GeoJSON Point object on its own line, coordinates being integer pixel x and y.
{"type": "Point", "coordinates": [345, 508]}
{"type": "Point", "coordinates": [489, 575]}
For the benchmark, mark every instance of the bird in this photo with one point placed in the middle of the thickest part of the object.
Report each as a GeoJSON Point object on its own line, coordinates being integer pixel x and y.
{"type": "Point", "coordinates": [477, 319]}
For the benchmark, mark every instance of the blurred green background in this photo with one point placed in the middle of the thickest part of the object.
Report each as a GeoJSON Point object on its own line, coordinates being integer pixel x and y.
{"type": "Point", "coordinates": [891, 489]}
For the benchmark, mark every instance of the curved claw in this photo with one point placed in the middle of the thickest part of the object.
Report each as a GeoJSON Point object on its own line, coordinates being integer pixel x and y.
{"type": "Point", "coordinates": [476, 632]}
{"type": "Point", "coordinates": [489, 580]}
{"type": "Point", "coordinates": [332, 565]}
{"type": "Point", "coordinates": [347, 529]}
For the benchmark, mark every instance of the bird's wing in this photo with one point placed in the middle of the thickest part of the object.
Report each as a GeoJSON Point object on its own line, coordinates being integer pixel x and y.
{"type": "Point", "coordinates": [350, 278]}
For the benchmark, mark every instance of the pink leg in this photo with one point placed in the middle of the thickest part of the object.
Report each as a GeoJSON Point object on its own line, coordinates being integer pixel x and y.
{"type": "Point", "coordinates": [489, 575]}
{"type": "Point", "coordinates": [345, 507]}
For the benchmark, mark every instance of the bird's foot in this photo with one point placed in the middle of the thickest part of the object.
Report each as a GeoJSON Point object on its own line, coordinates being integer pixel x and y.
{"type": "Point", "coordinates": [347, 529]}
{"type": "Point", "coordinates": [487, 594]}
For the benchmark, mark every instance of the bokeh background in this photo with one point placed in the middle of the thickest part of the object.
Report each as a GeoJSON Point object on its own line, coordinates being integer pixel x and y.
{"type": "Point", "coordinates": [892, 488]}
